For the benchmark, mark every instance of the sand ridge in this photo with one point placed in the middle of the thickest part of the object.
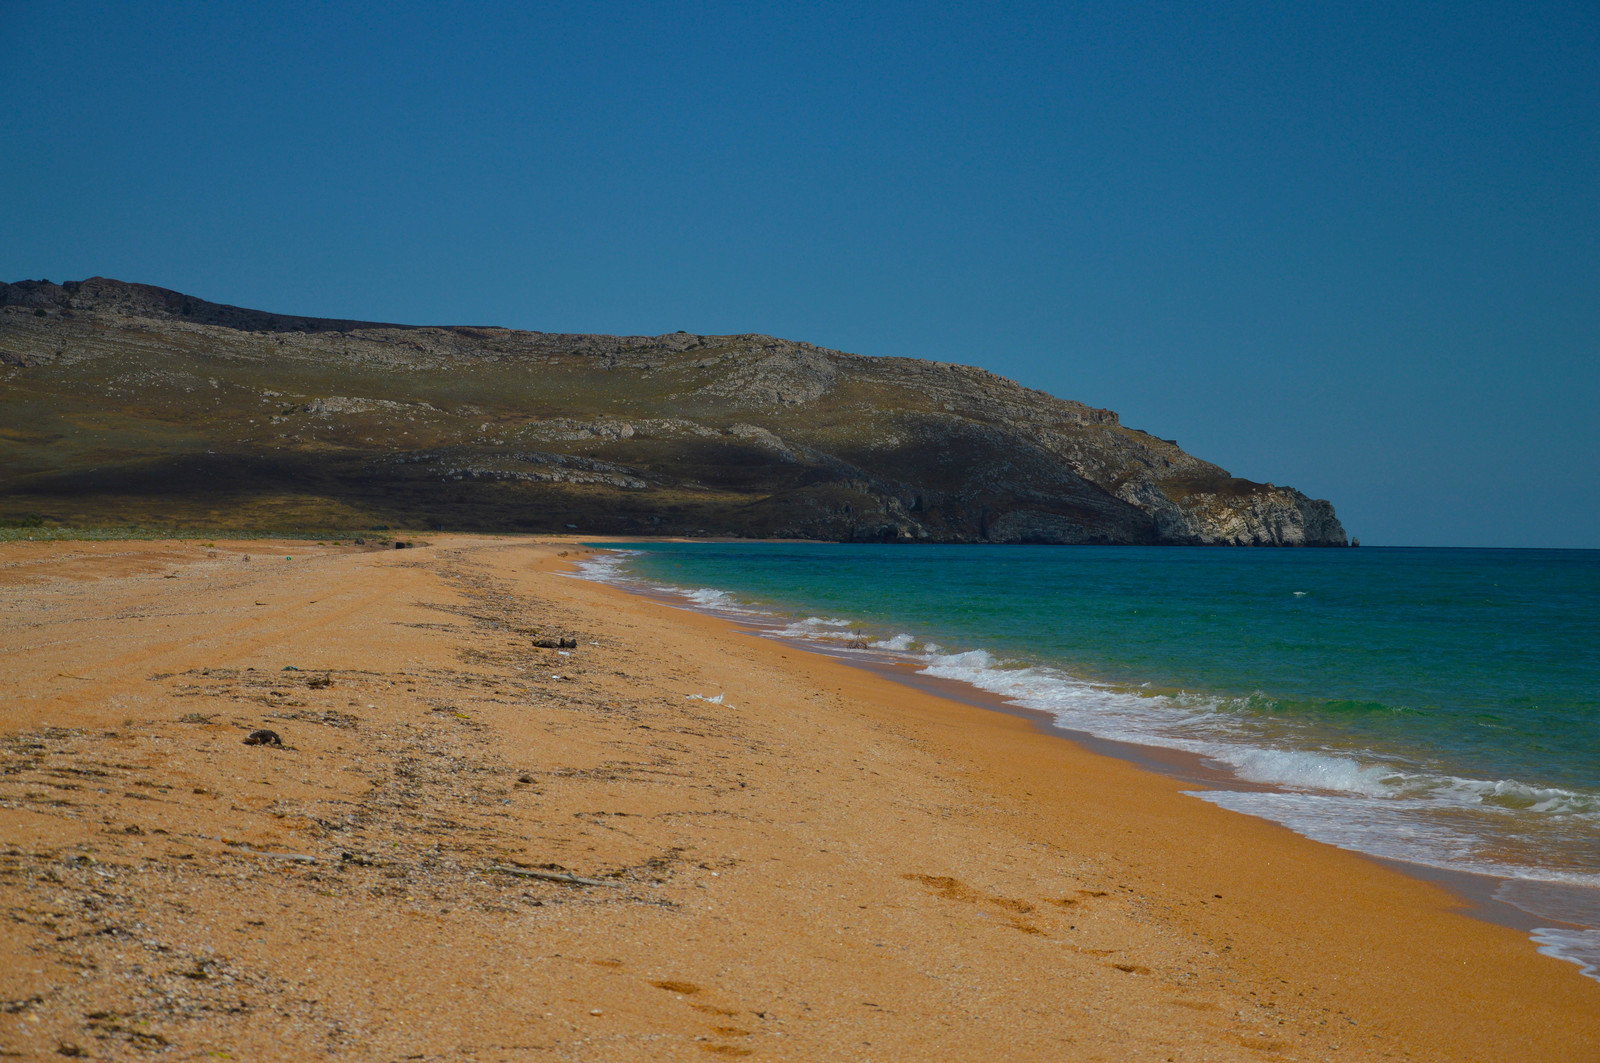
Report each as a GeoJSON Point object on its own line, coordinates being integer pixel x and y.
{"type": "Point", "coordinates": [825, 864]}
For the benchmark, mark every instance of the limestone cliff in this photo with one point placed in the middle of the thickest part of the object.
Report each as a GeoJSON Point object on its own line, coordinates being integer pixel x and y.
{"type": "Point", "coordinates": [130, 402]}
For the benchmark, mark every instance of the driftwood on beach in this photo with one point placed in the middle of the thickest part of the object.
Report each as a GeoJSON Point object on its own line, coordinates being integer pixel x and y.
{"type": "Point", "coordinates": [554, 876]}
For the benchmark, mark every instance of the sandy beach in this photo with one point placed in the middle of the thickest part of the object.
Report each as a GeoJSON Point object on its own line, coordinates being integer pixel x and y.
{"type": "Point", "coordinates": [472, 846]}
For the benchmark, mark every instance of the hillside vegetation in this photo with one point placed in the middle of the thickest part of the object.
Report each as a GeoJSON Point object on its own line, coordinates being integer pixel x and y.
{"type": "Point", "coordinates": [125, 403]}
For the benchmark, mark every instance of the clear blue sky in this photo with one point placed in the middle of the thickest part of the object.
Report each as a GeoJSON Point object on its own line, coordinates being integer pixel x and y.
{"type": "Point", "coordinates": [1351, 247]}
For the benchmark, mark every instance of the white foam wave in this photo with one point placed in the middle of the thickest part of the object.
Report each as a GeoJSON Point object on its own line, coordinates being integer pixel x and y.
{"type": "Point", "coordinates": [1581, 947]}
{"type": "Point", "coordinates": [610, 567]}
{"type": "Point", "coordinates": [826, 629]}
{"type": "Point", "coordinates": [605, 567]}
{"type": "Point", "coordinates": [898, 644]}
{"type": "Point", "coordinates": [1414, 830]}
{"type": "Point", "coordinates": [1197, 725]}
{"type": "Point", "coordinates": [1509, 793]}
{"type": "Point", "coordinates": [820, 625]}
{"type": "Point", "coordinates": [1313, 771]}
{"type": "Point", "coordinates": [1353, 800]}
{"type": "Point", "coordinates": [1077, 704]}
{"type": "Point", "coordinates": [711, 598]}
{"type": "Point", "coordinates": [718, 601]}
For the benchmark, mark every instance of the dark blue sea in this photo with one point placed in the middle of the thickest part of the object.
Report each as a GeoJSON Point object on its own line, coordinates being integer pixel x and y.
{"type": "Point", "coordinates": [1436, 706]}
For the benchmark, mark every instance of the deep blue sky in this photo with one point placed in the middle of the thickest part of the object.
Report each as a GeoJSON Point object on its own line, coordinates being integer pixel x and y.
{"type": "Point", "coordinates": [1351, 247]}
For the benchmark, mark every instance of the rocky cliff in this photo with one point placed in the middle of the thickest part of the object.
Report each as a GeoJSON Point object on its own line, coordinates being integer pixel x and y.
{"type": "Point", "coordinates": [126, 402]}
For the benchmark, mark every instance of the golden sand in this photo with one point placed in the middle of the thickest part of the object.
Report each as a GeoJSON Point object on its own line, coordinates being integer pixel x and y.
{"type": "Point", "coordinates": [825, 865]}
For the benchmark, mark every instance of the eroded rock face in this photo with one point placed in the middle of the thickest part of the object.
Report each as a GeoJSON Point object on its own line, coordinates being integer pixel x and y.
{"type": "Point", "coordinates": [1266, 516]}
{"type": "Point", "coordinates": [787, 375]}
{"type": "Point", "coordinates": [219, 414]}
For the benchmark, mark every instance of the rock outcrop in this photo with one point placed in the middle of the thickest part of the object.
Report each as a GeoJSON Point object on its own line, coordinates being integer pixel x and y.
{"type": "Point", "coordinates": [130, 403]}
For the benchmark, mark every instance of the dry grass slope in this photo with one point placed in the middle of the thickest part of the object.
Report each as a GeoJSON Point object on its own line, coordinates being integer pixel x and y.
{"type": "Point", "coordinates": [125, 404]}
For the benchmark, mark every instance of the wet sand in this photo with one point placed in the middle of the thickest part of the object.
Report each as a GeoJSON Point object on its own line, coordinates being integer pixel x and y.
{"type": "Point", "coordinates": [826, 865]}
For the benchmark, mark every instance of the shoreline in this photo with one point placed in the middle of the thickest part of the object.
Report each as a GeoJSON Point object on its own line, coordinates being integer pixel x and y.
{"type": "Point", "coordinates": [1480, 892]}
{"type": "Point", "coordinates": [825, 864]}
{"type": "Point", "coordinates": [1476, 891]}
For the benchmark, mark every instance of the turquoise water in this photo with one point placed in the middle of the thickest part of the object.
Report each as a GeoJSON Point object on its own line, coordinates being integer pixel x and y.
{"type": "Point", "coordinates": [1430, 705]}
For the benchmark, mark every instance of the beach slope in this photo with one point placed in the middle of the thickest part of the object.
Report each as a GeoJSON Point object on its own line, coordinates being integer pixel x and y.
{"type": "Point", "coordinates": [472, 845]}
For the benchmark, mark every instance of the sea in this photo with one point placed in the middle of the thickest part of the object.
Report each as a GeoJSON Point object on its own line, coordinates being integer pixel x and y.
{"type": "Point", "coordinates": [1435, 707]}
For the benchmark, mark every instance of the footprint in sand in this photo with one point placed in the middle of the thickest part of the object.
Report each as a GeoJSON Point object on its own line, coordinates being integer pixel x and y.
{"type": "Point", "coordinates": [953, 889]}
{"type": "Point", "coordinates": [682, 988]}
{"type": "Point", "coordinates": [685, 989]}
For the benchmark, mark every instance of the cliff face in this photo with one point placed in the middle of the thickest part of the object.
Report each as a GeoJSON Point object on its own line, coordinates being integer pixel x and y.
{"type": "Point", "coordinates": [134, 403]}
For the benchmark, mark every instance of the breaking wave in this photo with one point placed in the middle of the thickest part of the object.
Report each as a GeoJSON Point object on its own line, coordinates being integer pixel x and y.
{"type": "Point", "coordinates": [1356, 799]}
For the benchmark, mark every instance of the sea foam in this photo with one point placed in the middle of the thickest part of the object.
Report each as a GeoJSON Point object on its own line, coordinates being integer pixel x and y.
{"type": "Point", "coordinates": [1581, 947]}
{"type": "Point", "coordinates": [1352, 798]}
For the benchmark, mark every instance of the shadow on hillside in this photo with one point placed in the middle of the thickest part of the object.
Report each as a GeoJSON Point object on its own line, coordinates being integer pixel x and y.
{"type": "Point", "coordinates": [359, 491]}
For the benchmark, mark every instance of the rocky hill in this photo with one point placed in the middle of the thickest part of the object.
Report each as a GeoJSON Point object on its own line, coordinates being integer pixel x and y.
{"type": "Point", "coordinates": [126, 403]}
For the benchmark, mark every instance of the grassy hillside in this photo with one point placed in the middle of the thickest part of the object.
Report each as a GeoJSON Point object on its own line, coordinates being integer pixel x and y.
{"type": "Point", "coordinates": [125, 404]}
